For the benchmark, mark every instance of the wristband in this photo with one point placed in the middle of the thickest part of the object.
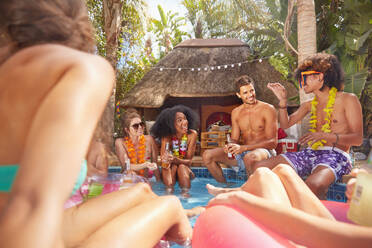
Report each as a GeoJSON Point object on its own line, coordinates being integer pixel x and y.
{"type": "Point", "coordinates": [286, 106]}
{"type": "Point", "coordinates": [334, 144]}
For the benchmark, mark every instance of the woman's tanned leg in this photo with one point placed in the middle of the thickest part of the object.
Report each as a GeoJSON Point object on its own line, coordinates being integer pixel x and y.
{"type": "Point", "coordinates": [136, 228]}
{"type": "Point", "coordinates": [82, 220]}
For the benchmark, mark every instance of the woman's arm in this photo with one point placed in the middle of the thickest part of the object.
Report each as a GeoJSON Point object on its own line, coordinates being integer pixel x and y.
{"type": "Point", "coordinates": [97, 159]}
{"type": "Point", "coordinates": [154, 156]}
{"type": "Point", "coordinates": [296, 225]}
{"type": "Point", "coordinates": [55, 147]}
{"type": "Point", "coordinates": [121, 151]}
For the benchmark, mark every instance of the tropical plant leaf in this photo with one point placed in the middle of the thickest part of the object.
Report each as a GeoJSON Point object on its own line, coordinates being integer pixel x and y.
{"type": "Point", "coordinates": [295, 99]}
{"type": "Point", "coordinates": [274, 8]}
{"type": "Point", "coordinates": [162, 16]}
{"type": "Point", "coordinates": [354, 83]}
{"type": "Point", "coordinates": [360, 41]}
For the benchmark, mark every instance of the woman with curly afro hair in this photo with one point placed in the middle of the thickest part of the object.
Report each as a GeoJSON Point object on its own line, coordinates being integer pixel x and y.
{"type": "Point", "coordinates": [176, 128]}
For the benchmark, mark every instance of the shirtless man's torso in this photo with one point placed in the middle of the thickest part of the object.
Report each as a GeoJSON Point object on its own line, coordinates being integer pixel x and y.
{"type": "Point", "coordinates": [254, 123]}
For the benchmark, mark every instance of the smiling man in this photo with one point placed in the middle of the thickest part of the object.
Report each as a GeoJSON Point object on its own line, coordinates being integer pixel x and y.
{"type": "Point", "coordinates": [255, 124]}
{"type": "Point", "coordinates": [335, 124]}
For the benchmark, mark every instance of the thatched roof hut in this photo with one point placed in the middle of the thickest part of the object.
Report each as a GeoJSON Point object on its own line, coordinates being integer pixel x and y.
{"type": "Point", "coordinates": [201, 72]}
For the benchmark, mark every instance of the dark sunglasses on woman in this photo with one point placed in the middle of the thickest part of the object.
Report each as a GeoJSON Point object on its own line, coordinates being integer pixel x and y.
{"type": "Point", "coordinates": [136, 125]}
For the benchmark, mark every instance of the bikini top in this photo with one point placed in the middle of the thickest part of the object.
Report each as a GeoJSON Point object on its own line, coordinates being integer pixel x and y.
{"type": "Point", "coordinates": [9, 172]}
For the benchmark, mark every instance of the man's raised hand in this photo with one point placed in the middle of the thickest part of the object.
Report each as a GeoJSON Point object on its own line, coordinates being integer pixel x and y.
{"type": "Point", "coordinates": [279, 90]}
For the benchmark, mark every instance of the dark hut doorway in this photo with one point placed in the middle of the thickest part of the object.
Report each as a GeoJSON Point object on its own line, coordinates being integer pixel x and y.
{"type": "Point", "coordinates": [205, 107]}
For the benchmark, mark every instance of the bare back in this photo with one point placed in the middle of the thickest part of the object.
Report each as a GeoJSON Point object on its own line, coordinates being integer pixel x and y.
{"type": "Point", "coordinates": [254, 124]}
{"type": "Point", "coordinates": [25, 79]}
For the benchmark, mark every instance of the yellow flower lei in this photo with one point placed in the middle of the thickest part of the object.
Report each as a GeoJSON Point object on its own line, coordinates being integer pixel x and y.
{"type": "Point", "coordinates": [326, 128]}
{"type": "Point", "coordinates": [139, 157]}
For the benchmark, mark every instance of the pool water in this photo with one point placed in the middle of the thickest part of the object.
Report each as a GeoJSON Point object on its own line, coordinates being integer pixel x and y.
{"type": "Point", "coordinates": [198, 195]}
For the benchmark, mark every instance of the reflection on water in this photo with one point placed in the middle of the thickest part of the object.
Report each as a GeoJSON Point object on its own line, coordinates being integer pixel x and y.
{"type": "Point", "coordinates": [197, 196]}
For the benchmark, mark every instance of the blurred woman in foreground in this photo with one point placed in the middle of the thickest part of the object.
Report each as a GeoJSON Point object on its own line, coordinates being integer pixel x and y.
{"type": "Point", "coordinates": [48, 79]}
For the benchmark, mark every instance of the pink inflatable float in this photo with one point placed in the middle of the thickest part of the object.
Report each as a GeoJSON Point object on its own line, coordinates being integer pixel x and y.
{"type": "Point", "coordinates": [223, 226]}
{"type": "Point", "coordinates": [99, 185]}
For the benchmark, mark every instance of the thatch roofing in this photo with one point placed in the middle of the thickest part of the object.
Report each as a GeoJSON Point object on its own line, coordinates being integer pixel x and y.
{"type": "Point", "coordinates": [167, 80]}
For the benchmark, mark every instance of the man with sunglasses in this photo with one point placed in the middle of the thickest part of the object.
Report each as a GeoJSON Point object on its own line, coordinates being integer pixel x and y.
{"type": "Point", "coordinates": [336, 124]}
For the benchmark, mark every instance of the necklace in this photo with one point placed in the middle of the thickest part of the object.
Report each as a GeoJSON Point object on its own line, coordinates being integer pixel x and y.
{"type": "Point", "coordinates": [326, 128]}
{"type": "Point", "coordinates": [139, 156]}
{"type": "Point", "coordinates": [179, 151]}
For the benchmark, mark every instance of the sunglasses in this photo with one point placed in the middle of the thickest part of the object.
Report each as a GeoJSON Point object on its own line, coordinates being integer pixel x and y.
{"type": "Point", "coordinates": [137, 125]}
{"type": "Point", "coordinates": [304, 75]}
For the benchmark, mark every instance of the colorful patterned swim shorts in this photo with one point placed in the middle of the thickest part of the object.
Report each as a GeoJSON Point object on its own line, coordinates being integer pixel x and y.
{"type": "Point", "coordinates": [305, 161]}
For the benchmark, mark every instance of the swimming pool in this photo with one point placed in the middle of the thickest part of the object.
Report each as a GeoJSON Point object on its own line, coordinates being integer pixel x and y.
{"type": "Point", "coordinates": [199, 195]}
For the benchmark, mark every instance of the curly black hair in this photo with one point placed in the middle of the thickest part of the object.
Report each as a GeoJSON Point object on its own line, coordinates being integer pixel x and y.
{"type": "Point", "coordinates": [328, 64]}
{"type": "Point", "coordinates": [164, 124]}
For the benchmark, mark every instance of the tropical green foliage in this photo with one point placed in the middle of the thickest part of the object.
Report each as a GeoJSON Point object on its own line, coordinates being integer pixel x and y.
{"type": "Point", "coordinates": [258, 23]}
{"type": "Point", "coordinates": [129, 43]}
{"type": "Point", "coordinates": [131, 33]}
{"type": "Point", "coordinates": [367, 108]}
{"type": "Point", "coordinates": [345, 29]}
{"type": "Point", "coordinates": [348, 34]}
{"type": "Point", "coordinates": [242, 19]}
{"type": "Point", "coordinates": [167, 30]}
{"type": "Point", "coordinates": [95, 11]}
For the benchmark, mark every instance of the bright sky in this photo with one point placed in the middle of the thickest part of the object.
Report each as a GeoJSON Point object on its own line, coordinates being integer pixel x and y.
{"type": "Point", "coordinates": [167, 5]}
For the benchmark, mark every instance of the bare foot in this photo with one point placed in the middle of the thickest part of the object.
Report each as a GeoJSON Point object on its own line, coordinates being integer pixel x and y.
{"type": "Point", "coordinates": [169, 190]}
{"type": "Point", "coordinates": [214, 190]}
{"type": "Point", "coordinates": [185, 192]}
{"type": "Point", "coordinates": [194, 211]}
{"type": "Point", "coordinates": [217, 190]}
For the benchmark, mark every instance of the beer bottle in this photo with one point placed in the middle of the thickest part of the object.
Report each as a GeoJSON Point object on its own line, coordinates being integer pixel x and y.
{"type": "Point", "coordinates": [229, 155]}
{"type": "Point", "coordinates": [166, 164]}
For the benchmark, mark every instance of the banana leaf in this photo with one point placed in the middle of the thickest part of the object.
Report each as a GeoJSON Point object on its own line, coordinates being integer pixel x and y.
{"type": "Point", "coordinates": [354, 82]}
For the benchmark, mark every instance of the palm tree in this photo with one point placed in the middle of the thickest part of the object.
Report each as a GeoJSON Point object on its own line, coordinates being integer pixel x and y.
{"type": "Point", "coordinates": [306, 33]}
{"type": "Point", "coordinates": [111, 18]}
{"type": "Point", "coordinates": [167, 30]}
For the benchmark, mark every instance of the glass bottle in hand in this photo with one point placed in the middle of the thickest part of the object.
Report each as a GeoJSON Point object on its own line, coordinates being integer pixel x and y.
{"type": "Point", "coordinates": [229, 154]}
{"type": "Point", "coordinates": [165, 163]}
